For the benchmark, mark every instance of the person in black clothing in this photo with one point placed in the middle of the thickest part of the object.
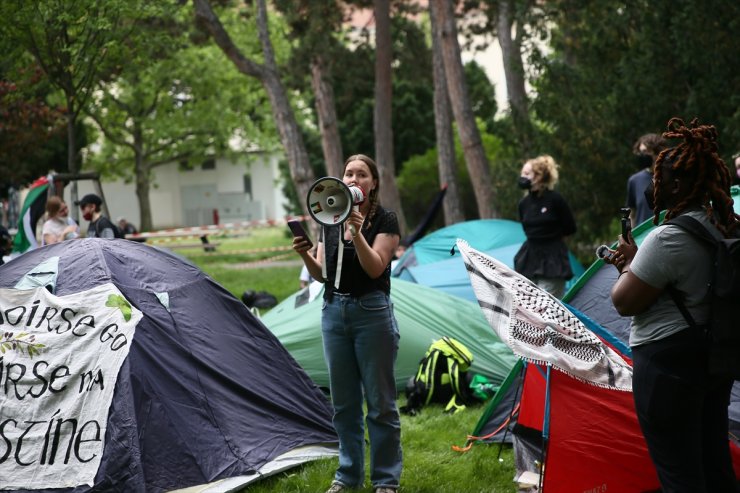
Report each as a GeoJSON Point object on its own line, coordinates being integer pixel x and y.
{"type": "Point", "coordinates": [360, 333]}
{"type": "Point", "coordinates": [100, 226]}
{"type": "Point", "coordinates": [546, 219]}
{"type": "Point", "coordinates": [646, 150]}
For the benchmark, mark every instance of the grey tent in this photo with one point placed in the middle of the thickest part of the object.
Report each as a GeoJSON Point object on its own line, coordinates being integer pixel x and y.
{"type": "Point", "coordinates": [207, 397]}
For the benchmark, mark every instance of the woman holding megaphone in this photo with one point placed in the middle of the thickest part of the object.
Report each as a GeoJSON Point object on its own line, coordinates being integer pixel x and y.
{"type": "Point", "coordinates": [359, 330]}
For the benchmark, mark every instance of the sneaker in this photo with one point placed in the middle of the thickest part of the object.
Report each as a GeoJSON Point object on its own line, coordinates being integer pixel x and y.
{"type": "Point", "coordinates": [337, 487]}
{"type": "Point", "coordinates": [385, 489]}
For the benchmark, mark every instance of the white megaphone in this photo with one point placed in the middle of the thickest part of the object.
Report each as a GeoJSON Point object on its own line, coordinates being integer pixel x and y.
{"type": "Point", "coordinates": [330, 201]}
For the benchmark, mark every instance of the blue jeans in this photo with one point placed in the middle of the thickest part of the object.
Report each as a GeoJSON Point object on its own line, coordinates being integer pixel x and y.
{"type": "Point", "coordinates": [360, 346]}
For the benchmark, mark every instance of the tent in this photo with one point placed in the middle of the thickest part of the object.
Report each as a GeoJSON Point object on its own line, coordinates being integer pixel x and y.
{"type": "Point", "coordinates": [206, 398]}
{"type": "Point", "coordinates": [423, 314]}
{"type": "Point", "coordinates": [594, 440]}
{"type": "Point", "coordinates": [429, 262]}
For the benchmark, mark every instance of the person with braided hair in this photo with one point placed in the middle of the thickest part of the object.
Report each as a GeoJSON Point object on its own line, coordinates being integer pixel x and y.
{"type": "Point", "coordinates": [682, 409]}
{"type": "Point", "coordinates": [360, 333]}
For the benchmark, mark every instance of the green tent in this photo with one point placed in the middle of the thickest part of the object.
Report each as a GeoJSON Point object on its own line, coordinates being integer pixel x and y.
{"type": "Point", "coordinates": [424, 315]}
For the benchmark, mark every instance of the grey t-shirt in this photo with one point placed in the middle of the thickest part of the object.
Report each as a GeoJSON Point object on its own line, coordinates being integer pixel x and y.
{"type": "Point", "coordinates": [671, 256]}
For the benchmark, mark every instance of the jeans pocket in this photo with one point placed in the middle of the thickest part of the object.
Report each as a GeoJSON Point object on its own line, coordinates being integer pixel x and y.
{"type": "Point", "coordinates": [374, 302]}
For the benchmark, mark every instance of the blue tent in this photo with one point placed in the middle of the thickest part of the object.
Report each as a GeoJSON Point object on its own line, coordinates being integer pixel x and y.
{"type": "Point", "coordinates": [206, 393]}
{"type": "Point", "coordinates": [429, 262]}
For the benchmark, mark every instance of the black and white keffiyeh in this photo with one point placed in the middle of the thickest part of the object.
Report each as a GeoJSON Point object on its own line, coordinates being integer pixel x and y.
{"type": "Point", "coordinates": [538, 327]}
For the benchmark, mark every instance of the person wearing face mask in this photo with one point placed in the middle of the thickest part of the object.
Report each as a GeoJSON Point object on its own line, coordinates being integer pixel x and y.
{"type": "Point", "coordinates": [58, 226]}
{"type": "Point", "coordinates": [100, 226]}
{"type": "Point", "coordinates": [646, 149]}
{"type": "Point", "coordinates": [360, 333]}
{"type": "Point", "coordinates": [672, 386]}
{"type": "Point", "coordinates": [547, 220]}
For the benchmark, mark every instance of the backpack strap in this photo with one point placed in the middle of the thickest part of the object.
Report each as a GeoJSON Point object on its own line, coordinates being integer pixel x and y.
{"type": "Point", "coordinates": [694, 227]}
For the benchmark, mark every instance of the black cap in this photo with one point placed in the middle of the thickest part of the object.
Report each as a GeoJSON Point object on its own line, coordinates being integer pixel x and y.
{"type": "Point", "coordinates": [90, 198]}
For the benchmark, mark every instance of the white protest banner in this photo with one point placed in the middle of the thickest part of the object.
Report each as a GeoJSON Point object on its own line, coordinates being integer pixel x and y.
{"type": "Point", "coordinates": [59, 362]}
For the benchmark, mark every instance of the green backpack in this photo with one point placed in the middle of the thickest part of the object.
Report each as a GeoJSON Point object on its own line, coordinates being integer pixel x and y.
{"type": "Point", "coordinates": [442, 378]}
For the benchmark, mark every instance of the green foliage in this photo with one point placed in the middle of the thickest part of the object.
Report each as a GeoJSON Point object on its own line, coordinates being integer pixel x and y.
{"type": "Point", "coordinates": [618, 70]}
{"type": "Point", "coordinates": [418, 181]}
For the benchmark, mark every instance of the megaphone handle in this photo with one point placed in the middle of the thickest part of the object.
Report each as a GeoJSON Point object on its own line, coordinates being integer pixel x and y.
{"type": "Point", "coordinates": [352, 228]}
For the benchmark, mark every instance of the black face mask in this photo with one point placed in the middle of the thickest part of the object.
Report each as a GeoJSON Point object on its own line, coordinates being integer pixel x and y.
{"type": "Point", "coordinates": [649, 196]}
{"type": "Point", "coordinates": [644, 161]}
{"type": "Point", "coordinates": [524, 183]}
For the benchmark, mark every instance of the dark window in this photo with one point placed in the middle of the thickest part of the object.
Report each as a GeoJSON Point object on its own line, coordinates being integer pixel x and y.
{"type": "Point", "coordinates": [209, 163]}
{"type": "Point", "coordinates": [248, 185]}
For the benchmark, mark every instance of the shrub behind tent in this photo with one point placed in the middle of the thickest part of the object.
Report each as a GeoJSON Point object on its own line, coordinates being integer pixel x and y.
{"type": "Point", "coordinates": [207, 393]}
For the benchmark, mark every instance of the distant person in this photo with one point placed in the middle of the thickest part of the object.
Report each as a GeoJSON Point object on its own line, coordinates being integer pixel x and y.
{"type": "Point", "coordinates": [100, 226]}
{"type": "Point", "coordinates": [547, 220]}
{"type": "Point", "coordinates": [680, 405]}
{"type": "Point", "coordinates": [400, 250]}
{"type": "Point", "coordinates": [646, 150]}
{"type": "Point", "coordinates": [58, 225]}
{"type": "Point", "coordinates": [126, 227]}
{"type": "Point", "coordinates": [736, 174]}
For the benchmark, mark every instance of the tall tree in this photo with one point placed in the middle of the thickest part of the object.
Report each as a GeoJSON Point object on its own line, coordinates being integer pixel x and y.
{"type": "Point", "coordinates": [511, 49]}
{"type": "Point", "coordinates": [475, 156]}
{"type": "Point", "coordinates": [452, 205]}
{"type": "Point", "coordinates": [70, 41]}
{"type": "Point", "coordinates": [267, 73]}
{"type": "Point", "coordinates": [160, 109]}
{"type": "Point", "coordinates": [314, 28]}
{"type": "Point", "coordinates": [383, 127]}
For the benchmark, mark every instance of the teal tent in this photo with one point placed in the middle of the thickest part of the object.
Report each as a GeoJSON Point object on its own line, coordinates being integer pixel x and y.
{"type": "Point", "coordinates": [424, 314]}
{"type": "Point", "coordinates": [429, 261]}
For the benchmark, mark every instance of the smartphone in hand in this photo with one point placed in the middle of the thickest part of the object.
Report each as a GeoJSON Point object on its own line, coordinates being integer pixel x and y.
{"type": "Point", "coordinates": [297, 229]}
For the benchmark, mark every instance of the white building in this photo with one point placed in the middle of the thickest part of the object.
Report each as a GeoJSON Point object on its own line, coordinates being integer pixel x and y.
{"type": "Point", "coordinates": [216, 191]}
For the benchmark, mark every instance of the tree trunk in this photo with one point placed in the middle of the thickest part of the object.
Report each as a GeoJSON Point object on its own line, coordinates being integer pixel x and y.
{"type": "Point", "coordinates": [290, 135]}
{"type": "Point", "coordinates": [452, 206]}
{"type": "Point", "coordinates": [326, 111]}
{"type": "Point", "coordinates": [475, 156]}
{"type": "Point", "coordinates": [71, 118]}
{"type": "Point", "coordinates": [514, 73]}
{"type": "Point", "coordinates": [383, 130]}
{"type": "Point", "coordinates": [142, 176]}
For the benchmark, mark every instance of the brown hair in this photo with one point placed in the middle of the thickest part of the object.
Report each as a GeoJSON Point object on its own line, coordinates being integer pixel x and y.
{"type": "Point", "coordinates": [373, 196]}
{"type": "Point", "coordinates": [696, 160]}
{"type": "Point", "coordinates": [654, 144]}
{"type": "Point", "coordinates": [53, 205]}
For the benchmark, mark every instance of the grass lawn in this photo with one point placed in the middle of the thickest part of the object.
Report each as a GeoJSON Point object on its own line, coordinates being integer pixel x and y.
{"type": "Point", "coordinates": [259, 261]}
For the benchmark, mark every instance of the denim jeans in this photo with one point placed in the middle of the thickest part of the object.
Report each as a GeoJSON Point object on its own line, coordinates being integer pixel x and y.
{"type": "Point", "coordinates": [360, 346]}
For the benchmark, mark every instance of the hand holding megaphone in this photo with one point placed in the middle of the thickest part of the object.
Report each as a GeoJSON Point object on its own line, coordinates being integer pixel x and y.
{"type": "Point", "coordinates": [331, 201]}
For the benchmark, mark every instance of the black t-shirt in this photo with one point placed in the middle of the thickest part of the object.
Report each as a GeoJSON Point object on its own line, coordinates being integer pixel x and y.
{"type": "Point", "coordinates": [354, 279]}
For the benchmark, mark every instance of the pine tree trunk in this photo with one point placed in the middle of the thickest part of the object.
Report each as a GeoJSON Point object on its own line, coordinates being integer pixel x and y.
{"type": "Point", "coordinates": [475, 157]}
{"type": "Point", "coordinates": [326, 111]}
{"type": "Point", "coordinates": [452, 206]}
{"type": "Point", "coordinates": [389, 195]}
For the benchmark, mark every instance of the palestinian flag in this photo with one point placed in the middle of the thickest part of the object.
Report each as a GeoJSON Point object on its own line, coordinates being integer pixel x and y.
{"type": "Point", "coordinates": [33, 209]}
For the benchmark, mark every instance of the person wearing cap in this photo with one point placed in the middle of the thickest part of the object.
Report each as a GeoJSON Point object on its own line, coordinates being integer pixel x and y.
{"type": "Point", "coordinates": [100, 226]}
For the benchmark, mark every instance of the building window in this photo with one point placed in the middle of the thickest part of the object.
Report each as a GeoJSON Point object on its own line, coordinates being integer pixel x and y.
{"type": "Point", "coordinates": [209, 163]}
{"type": "Point", "coordinates": [248, 186]}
